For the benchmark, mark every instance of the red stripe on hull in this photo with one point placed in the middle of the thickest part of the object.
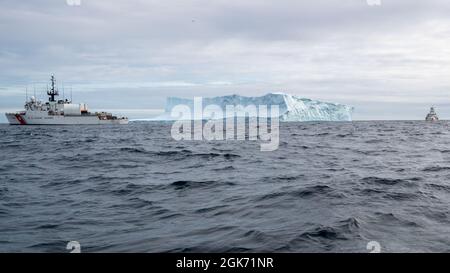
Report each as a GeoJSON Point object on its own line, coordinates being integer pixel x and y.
{"type": "Point", "coordinates": [21, 120]}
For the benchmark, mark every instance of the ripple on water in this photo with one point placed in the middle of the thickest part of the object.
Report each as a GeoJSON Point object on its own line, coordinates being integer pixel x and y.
{"type": "Point", "coordinates": [385, 181]}
{"type": "Point", "coordinates": [190, 184]}
{"type": "Point", "coordinates": [436, 169]}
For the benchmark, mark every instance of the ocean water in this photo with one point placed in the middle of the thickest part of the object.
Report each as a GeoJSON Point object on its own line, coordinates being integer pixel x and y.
{"type": "Point", "coordinates": [330, 187]}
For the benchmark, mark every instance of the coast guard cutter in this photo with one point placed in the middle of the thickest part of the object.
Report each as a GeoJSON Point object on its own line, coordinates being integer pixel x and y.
{"type": "Point", "coordinates": [60, 112]}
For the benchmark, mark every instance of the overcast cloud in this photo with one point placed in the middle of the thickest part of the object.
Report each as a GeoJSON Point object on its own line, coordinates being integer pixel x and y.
{"type": "Point", "coordinates": [389, 62]}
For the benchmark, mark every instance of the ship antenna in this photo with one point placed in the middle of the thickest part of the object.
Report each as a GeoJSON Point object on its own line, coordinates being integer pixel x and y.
{"type": "Point", "coordinates": [26, 93]}
{"type": "Point", "coordinates": [52, 92]}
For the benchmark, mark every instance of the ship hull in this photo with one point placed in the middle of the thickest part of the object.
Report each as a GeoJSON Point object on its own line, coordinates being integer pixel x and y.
{"type": "Point", "coordinates": [12, 119]}
{"type": "Point", "coordinates": [23, 119]}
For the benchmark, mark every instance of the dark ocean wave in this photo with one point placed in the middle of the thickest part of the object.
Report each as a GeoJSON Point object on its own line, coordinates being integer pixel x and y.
{"type": "Point", "coordinates": [330, 187]}
{"type": "Point", "coordinates": [385, 181]}
{"type": "Point", "coordinates": [189, 184]}
{"type": "Point", "coordinates": [436, 169]}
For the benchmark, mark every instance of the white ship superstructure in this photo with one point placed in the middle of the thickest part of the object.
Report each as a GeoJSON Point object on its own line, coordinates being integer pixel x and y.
{"type": "Point", "coordinates": [432, 116]}
{"type": "Point", "coordinates": [60, 112]}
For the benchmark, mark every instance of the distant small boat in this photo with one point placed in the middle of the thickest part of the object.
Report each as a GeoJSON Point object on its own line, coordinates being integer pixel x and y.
{"type": "Point", "coordinates": [432, 116]}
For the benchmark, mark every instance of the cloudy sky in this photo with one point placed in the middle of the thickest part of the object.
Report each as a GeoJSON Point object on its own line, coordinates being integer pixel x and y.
{"type": "Point", "coordinates": [390, 61]}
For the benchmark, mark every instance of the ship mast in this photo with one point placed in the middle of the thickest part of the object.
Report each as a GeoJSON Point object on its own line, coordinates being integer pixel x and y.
{"type": "Point", "coordinates": [52, 92]}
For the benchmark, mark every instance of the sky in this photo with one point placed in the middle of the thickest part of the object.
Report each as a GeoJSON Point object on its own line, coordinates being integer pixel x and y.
{"type": "Point", "coordinates": [389, 61]}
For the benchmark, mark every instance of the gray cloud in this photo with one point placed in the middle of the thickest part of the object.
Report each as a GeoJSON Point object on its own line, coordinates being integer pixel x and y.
{"type": "Point", "coordinates": [137, 52]}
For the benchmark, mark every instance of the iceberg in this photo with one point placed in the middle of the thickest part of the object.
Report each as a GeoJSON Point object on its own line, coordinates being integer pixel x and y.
{"type": "Point", "coordinates": [291, 108]}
